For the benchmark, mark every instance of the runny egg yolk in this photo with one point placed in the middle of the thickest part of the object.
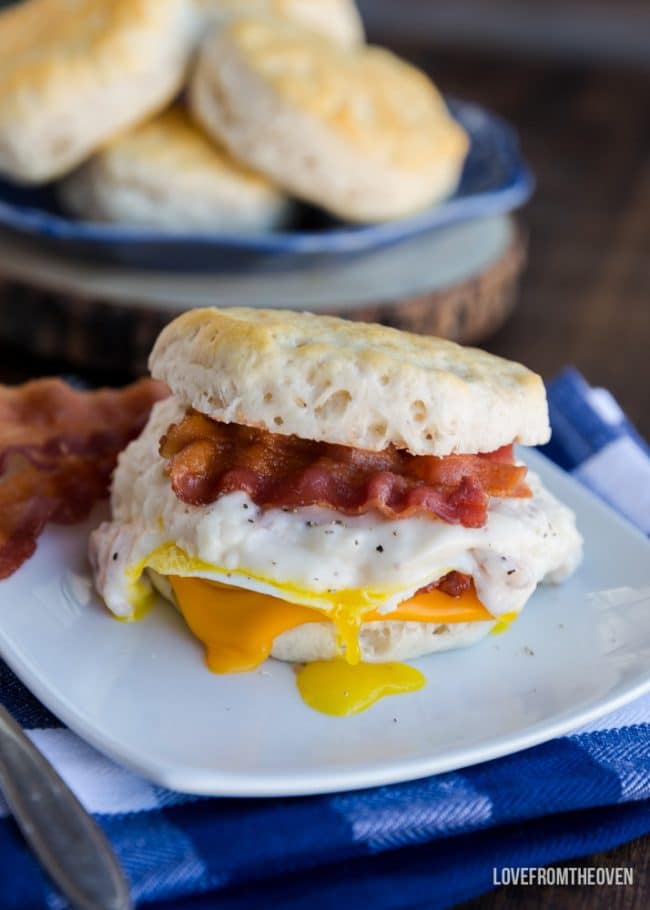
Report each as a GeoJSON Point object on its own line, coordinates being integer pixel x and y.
{"type": "Point", "coordinates": [339, 688]}
{"type": "Point", "coordinates": [238, 627]}
{"type": "Point", "coordinates": [503, 623]}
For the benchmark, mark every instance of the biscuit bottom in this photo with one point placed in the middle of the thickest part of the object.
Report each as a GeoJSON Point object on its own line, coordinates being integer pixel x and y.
{"type": "Point", "coordinates": [379, 641]}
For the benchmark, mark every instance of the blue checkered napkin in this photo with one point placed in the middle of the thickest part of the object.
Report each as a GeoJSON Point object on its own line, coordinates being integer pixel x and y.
{"type": "Point", "coordinates": [594, 441]}
{"type": "Point", "coordinates": [429, 843]}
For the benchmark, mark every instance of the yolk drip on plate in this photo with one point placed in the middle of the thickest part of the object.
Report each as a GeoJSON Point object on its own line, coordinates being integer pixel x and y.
{"type": "Point", "coordinates": [238, 627]}
{"type": "Point", "coordinates": [339, 688]}
{"type": "Point", "coordinates": [503, 623]}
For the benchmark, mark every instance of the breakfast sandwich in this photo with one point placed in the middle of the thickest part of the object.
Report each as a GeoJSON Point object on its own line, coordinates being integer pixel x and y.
{"type": "Point", "coordinates": [354, 130]}
{"type": "Point", "coordinates": [73, 73]}
{"type": "Point", "coordinates": [318, 490]}
{"type": "Point", "coordinates": [167, 174]}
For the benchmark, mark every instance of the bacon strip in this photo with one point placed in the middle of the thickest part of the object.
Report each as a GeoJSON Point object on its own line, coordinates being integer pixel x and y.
{"type": "Point", "coordinates": [58, 448]}
{"type": "Point", "coordinates": [453, 583]}
{"type": "Point", "coordinates": [207, 459]}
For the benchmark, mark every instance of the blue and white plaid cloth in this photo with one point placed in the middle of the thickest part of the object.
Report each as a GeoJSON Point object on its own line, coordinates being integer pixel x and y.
{"type": "Point", "coordinates": [429, 843]}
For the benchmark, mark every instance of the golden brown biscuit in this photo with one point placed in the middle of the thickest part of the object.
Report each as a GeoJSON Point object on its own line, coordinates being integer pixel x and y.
{"type": "Point", "coordinates": [357, 131]}
{"type": "Point", "coordinates": [351, 383]}
{"type": "Point", "coordinates": [167, 174]}
{"type": "Point", "coordinates": [75, 72]}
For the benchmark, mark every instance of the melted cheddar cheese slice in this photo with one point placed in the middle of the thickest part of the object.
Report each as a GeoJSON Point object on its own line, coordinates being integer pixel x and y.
{"type": "Point", "coordinates": [238, 626]}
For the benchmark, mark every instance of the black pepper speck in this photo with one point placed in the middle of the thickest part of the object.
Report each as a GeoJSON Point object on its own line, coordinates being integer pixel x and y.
{"type": "Point", "coordinates": [380, 549]}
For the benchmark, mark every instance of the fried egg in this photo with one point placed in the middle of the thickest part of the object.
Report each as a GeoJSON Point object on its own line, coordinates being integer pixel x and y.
{"type": "Point", "coordinates": [242, 575]}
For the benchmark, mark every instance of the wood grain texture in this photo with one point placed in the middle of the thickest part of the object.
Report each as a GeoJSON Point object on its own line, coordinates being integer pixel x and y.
{"type": "Point", "coordinates": [95, 327]}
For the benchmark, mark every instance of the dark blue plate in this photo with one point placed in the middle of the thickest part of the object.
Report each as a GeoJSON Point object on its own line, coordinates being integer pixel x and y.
{"type": "Point", "coordinates": [495, 179]}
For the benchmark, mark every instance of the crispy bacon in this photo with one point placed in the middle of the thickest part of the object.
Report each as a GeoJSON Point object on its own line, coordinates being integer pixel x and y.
{"type": "Point", "coordinates": [58, 448]}
{"type": "Point", "coordinates": [207, 459]}
{"type": "Point", "coordinates": [453, 583]}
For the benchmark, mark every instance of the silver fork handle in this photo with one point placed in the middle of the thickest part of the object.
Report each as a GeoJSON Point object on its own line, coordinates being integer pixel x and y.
{"type": "Point", "coordinates": [68, 842]}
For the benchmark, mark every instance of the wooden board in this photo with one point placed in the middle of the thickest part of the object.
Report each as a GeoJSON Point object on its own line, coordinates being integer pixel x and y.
{"type": "Point", "coordinates": [460, 283]}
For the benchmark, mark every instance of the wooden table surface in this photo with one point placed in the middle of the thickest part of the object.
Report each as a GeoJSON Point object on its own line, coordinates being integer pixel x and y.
{"type": "Point", "coordinates": [585, 296]}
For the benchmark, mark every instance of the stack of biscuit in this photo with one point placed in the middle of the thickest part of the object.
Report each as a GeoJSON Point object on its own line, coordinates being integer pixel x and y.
{"type": "Point", "coordinates": [216, 114]}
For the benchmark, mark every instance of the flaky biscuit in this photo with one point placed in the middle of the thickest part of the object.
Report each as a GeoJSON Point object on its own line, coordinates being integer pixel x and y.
{"type": "Point", "coordinates": [73, 73]}
{"type": "Point", "coordinates": [356, 131]}
{"type": "Point", "coordinates": [357, 384]}
{"type": "Point", "coordinates": [168, 174]}
{"type": "Point", "coordinates": [338, 20]}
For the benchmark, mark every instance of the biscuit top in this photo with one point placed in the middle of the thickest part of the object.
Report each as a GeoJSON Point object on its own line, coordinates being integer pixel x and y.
{"type": "Point", "coordinates": [351, 383]}
{"type": "Point", "coordinates": [339, 20]}
{"type": "Point", "coordinates": [42, 39]}
{"type": "Point", "coordinates": [172, 143]}
{"type": "Point", "coordinates": [371, 99]}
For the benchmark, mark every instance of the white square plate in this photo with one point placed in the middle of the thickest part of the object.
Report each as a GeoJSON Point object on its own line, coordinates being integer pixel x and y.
{"type": "Point", "coordinates": [141, 694]}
